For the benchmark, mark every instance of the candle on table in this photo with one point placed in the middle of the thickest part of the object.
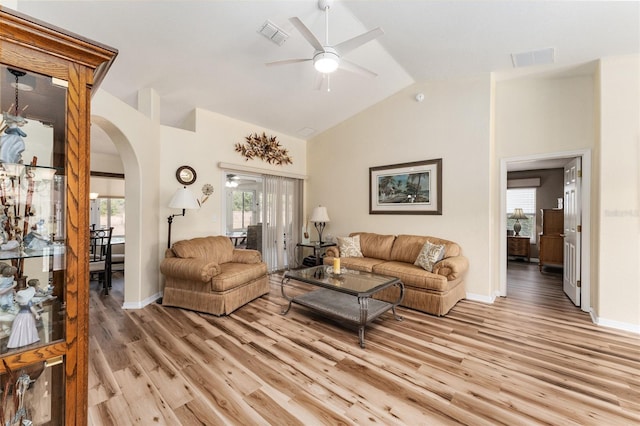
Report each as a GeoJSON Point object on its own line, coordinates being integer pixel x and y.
{"type": "Point", "coordinates": [336, 265]}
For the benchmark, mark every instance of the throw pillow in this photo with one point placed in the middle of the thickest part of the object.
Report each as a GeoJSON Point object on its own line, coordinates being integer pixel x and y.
{"type": "Point", "coordinates": [349, 246]}
{"type": "Point", "coordinates": [429, 256]}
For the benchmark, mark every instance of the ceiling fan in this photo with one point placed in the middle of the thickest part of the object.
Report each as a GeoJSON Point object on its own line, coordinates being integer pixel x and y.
{"type": "Point", "coordinates": [328, 58]}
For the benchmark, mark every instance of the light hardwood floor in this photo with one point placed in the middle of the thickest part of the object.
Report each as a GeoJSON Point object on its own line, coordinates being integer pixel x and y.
{"type": "Point", "coordinates": [529, 358]}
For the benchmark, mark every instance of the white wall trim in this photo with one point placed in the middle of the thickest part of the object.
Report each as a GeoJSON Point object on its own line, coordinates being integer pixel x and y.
{"type": "Point", "coordinates": [139, 305]}
{"type": "Point", "coordinates": [585, 154]}
{"type": "Point", "coordinates": [481, 298]}
{"type": "Point", "coordinates": [257, 170]}
{"type": "Point", "coordinates": [624, 326]}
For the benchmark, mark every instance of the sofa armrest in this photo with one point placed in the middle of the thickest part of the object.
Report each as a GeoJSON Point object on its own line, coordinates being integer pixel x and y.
{"type": "Point", "coordinates": [189, 269]}
{"type": "Point", "coordinates": [332, 251]}
{"type": "Point", "coordinates": [452, 267]}
{"type": "Point", "coordinates": [246, 256]}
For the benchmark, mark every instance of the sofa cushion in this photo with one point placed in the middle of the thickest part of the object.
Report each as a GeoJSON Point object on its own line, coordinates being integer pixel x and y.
{"type": "Point", "coordinates": [359, 263]}
{"type": "Point", "coordinates": [413, 276]}
{"type": "Point", "coordinates": [217, 249]}
{"type": "Point", "coordinates": [407, 247]}
{"type": "Point", "coordinates": [236, 274]}
{"type": "Point", "coordinates": [349, 246]}
{"type": "Point", "coordinates": [429, 256]}
{"type": "Point", "coordinates": [376, 245]}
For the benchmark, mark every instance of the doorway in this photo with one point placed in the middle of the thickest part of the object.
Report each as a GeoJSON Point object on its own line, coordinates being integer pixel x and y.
{"type": "Point", "coordinates": [549, 161]}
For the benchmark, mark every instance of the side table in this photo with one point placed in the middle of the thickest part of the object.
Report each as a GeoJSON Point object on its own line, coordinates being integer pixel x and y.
{"type": "Point", "coordinates": [317, 248]}
{"type": "Point", "coordinates": [519, 246]}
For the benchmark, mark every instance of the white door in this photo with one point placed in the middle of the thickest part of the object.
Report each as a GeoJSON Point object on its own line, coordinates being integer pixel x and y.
{"type": "Point", "coordinates": [572, 230]}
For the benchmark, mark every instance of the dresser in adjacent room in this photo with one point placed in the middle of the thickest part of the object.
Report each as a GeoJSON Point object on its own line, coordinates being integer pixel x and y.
{"type": "Point", "coordinates": [519, 246]}
{"type": "Point", "coordinates": [551, 239]}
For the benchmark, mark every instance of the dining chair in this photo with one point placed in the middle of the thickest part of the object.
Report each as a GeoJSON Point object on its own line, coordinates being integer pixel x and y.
{"type": "Point", "coordinates": [100, 256]}
{"type": "Point", "coordinates": [117, 256]}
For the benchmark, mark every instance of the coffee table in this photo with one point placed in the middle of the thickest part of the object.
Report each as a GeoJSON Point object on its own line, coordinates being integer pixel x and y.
{"type": "Point", "coordinates": [345, 296]}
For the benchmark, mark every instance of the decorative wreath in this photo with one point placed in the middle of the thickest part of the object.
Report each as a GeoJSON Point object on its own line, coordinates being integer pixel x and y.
{"type": "Point", "coordinates": [264, 147]}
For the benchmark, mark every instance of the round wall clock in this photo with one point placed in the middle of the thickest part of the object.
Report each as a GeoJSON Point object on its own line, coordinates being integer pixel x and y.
{"type": "Point", "coordinates": [186, 175]}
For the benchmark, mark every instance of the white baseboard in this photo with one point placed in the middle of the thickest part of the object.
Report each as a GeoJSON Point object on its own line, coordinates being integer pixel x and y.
{"type": "Point", "coordinates": [139, 305]}
{"type": "Point", "coordinates": [618, 325]}
{"type": "Point", "coordinates": [481, 298]}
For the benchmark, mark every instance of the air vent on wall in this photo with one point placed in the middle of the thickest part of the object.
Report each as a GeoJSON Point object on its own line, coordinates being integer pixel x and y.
{"type": "Point", "coordinates": [534, 57]}
{"type": "Point", "coordinates": [273, 33]}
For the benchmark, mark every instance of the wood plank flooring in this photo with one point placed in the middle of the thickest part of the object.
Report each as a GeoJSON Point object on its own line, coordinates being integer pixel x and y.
{"type": "Point", "coordinates": [530, 358]}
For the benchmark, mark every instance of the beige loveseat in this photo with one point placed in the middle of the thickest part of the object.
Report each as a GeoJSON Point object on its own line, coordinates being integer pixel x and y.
{"type": "Point", "coordinates": [208, 275]}
{"type": "Point", "coordinates": [433, 292]}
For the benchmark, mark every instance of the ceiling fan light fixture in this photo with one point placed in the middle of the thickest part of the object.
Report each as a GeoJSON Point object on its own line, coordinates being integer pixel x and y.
{"type": "Point", "coordinates": [326, 62]}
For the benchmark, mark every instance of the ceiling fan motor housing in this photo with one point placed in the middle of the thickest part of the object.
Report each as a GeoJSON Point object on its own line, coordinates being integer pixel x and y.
{"type": "Point", "coordinates": [323, 4]}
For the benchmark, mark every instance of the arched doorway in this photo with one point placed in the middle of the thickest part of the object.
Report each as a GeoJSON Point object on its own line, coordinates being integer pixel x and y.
{"type": "Point", "coordinates": [102, 128]}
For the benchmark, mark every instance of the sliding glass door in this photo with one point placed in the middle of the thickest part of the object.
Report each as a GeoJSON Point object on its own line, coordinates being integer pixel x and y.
{"type": "Point", "coordinates": [282, 209]}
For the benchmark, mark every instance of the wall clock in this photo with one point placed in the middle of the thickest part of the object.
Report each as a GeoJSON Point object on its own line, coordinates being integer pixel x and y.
{"type": "Point", "coordinates": [186, 175]}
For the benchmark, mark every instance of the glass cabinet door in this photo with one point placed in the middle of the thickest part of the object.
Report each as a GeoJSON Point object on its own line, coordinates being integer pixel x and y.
{"type": "Point", "coordinates": [32, 242]}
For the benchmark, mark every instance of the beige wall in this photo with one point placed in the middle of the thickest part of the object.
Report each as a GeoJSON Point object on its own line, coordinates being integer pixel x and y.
{"type": "Point", "coordinates": [619, 182]}
{"type": "Point", "coordinates": [452, 123]}
{"type": "Point", "coordinates": [212, 142]}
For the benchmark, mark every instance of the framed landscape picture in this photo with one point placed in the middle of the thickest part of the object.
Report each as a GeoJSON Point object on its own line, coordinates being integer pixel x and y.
{"type": "Point", "coordinates": [408, 188]}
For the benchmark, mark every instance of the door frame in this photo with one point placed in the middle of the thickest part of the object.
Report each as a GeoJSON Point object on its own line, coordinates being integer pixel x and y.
{"type": "Point", "coordinates": [585, 155]}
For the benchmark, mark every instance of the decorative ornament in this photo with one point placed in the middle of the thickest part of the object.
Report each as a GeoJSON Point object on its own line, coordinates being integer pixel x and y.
{"type": "Point", "coordinates": [207, 190]}
{"type": "Point", "coordinates": [264, 147]}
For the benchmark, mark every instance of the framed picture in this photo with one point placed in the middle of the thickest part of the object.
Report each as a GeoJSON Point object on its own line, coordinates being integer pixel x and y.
{"type": "Point", "coordinates": [408, 188]}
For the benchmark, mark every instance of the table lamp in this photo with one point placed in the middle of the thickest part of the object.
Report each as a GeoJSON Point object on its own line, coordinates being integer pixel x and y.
{"type": "Point", "coordinates": [320, 217]}
{"type": "Point", "coordinates": [517, 215]}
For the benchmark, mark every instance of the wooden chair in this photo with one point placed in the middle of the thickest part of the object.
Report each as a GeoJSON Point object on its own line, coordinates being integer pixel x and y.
{"type": "Point", "coordinates": [100, 256]}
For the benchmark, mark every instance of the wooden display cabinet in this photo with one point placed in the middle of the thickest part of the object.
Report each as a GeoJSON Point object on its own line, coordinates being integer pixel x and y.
{"type": "Point", "coordinates": [44, 217]}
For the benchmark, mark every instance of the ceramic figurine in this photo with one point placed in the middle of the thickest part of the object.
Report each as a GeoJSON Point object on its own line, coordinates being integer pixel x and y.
{"type": "Point", "coordinates": [23, 330]}
{"type": "Point", "coordinates": [7, 284]}
{"type": "Point", "coordinates": [12, 145]}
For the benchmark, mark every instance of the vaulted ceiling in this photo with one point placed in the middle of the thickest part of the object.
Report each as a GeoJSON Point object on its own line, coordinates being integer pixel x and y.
{"type": "Point", "coordinates": [209, 54]}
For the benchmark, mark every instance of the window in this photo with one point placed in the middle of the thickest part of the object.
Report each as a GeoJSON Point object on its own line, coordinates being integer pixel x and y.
{"type": "Point", "coordinates": [108, 212]}
{"type": "Point", "coordinates": [242, 209]}
{"type": "Point", "coordinates": [525, 199]}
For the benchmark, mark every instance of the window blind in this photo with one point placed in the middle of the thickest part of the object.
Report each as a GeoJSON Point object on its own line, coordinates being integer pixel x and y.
{"type": "Point", "coordinates": [523, 198]}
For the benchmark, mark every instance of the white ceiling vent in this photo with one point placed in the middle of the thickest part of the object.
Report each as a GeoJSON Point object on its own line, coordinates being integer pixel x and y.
{"type": "Point", "coordinates": [534, 57]}
{"type": "Point", "coordinates": [273, 33]}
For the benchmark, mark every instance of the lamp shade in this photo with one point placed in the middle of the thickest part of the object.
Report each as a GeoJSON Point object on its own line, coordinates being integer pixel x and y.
{"type": "Point", "coordinates": [184, 199]}
{"type": "Point", "coordinates": [518, 214]}
{"type": "Point", "coordinates": [319, 214]}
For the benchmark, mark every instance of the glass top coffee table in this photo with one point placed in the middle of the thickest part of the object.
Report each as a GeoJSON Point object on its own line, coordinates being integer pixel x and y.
{"type": "Point", "coordinates": [345, 296]}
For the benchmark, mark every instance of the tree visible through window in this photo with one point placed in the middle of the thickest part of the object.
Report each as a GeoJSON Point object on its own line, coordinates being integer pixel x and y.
{"type": "Point", "coordinates": [243, 210]}
{"type": "Point", "coordinates": [112, 214]}
{"type": "Point", "coordinates": [525, 199]}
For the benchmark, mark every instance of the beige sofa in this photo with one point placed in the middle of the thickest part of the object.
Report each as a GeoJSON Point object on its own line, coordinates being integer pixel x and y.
{"type": "Point", "coordinates": [433, 292]}
{"type": "Point", "coordinates": [208, 275]}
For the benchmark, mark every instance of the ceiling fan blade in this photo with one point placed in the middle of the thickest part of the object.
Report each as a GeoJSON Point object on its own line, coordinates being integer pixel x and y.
{"type": "Point", "coordinates": [355, 68]}
{"type": "Point", "coordinates": [353, 43]}
{"type": "Point", "coordinates": [306, 33]}
{"type": "Point", "coordinates": [287, 61]}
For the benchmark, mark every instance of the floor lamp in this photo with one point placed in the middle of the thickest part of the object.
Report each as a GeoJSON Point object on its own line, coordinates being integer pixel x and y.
{"type": "Point", "coordinates": [182, 199]}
